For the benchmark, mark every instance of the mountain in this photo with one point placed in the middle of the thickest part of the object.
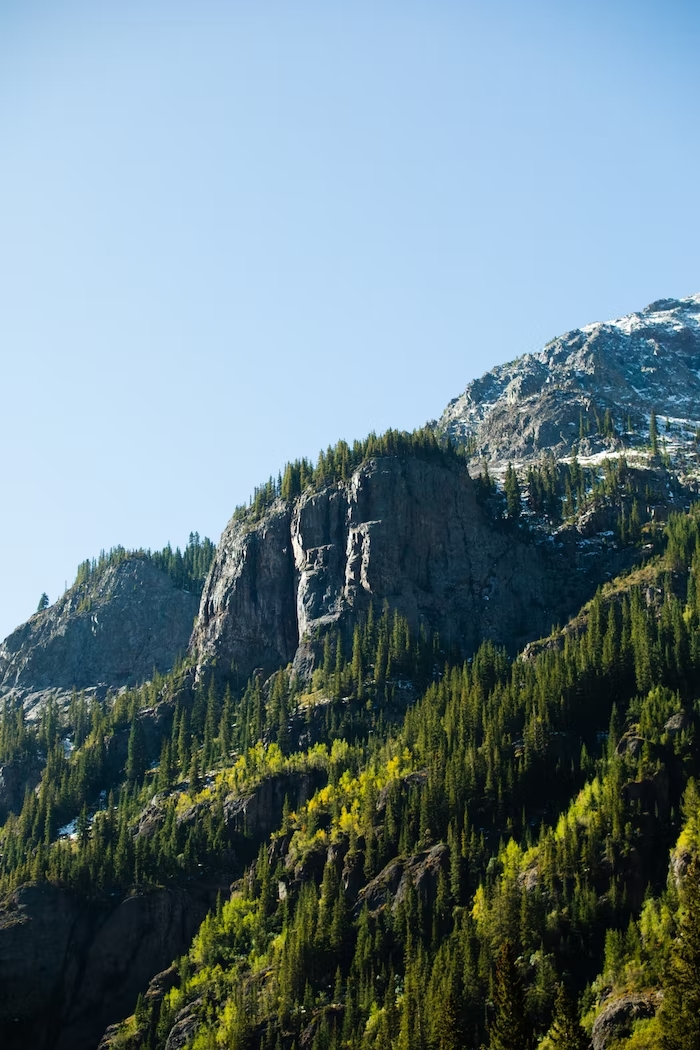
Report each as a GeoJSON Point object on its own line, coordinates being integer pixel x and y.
{"type": "Point", "coordinates": [406, 531]}
{"type": "Point", "coordinates": [557, 398]}
{"type": "Point", "coordinates": [381, 803]}
{"type": "Point", "coordinates": [128, 614]}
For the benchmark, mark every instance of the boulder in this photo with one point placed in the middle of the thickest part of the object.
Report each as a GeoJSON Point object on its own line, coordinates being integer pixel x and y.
{"type": "Point", "coordinates": [615, 1019]}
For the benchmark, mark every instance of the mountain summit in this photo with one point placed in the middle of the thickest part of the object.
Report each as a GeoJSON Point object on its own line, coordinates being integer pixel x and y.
{"type": "Point", "coordinates": [559, 396]}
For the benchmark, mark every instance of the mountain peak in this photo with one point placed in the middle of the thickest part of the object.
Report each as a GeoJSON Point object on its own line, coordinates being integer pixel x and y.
{"type": "Point", "coordinates": [558, 397]}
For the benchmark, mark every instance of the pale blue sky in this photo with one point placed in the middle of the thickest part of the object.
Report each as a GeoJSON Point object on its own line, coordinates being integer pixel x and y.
{"type": "Point", "coordinates": [231, 233]}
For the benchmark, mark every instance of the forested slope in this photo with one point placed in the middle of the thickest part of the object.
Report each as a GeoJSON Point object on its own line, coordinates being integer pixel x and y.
{"type": "Point", "coordinates": [424, 852]}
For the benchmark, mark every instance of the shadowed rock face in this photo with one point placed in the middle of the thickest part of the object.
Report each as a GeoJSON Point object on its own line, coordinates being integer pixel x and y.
{"type": "Point", "coordinates": [112, 632]}
{"type": "Point", "coordinates": [404, 530]}
{"type": "Point", "coordinates": [615, 1021]}
{"type": "Point", "coordinates": [67, 970]}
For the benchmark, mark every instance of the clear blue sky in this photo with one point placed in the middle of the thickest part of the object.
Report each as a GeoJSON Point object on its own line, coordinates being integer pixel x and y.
{"type": "Point", "coordinates": [231, 233]}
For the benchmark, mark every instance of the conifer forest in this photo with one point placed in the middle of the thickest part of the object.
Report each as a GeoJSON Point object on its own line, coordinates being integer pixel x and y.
{"type": "Point", "coordinates": [408, 847]}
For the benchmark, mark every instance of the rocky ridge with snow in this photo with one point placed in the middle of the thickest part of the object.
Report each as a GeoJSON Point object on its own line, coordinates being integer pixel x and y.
{"type": "Point", "coordinates": [556, 399]}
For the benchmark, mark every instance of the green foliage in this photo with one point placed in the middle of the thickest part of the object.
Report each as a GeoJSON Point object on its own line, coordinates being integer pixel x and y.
{"type": "Point", "coordinates": [187, 569]}
{"type": "Point", "coordinates": [512, 493]}
{"type": "Point", "coordinates": [566, 1032]}
{"type": "Point", "coordinates": [452, 837]}
{"type": "Point", "coordinates": [509, 1030]}
{"type": "Point", "coordinates": [557, 491]}
{"type": "Point", "coordinates": [680, 1015]}
{"type": "Point", "coordinates": [653, 433]}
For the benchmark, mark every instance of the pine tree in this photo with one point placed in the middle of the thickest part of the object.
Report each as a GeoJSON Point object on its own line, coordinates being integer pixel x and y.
{"type": "Point", "coordinates": [509, 1030]}
{"type": "Point", "coordinates": [83, 827]}
{"type": "Point", "coordinates": [680, 1013]}
{"type": "Point", "coordinates": [225, 724]}
{"type": "Point", "coordinates": [512, 492]}
{"type": "Point", "coordinates": [166, 772]}
{"type": "Point", "coordinates": [566, 1032]}
{"type": "Point", "coordinates": [653, 433]}
{"type": "Point", "coordinates": [194, 774]}
{"type": "Point", "coordinates": [357, 669]}
{"type": "Point", "coordinates": [136, 756]}
{"type": "Point", "coordinates": [43, 602]}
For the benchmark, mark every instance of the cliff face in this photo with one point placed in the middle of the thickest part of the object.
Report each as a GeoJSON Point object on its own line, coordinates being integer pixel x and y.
{"type": "Point", "coordinates": [404, 530]}
{"type": "Point", "coordinates": [68, 969]}
{"type": "Point", "coordinates": [110, 631]}
{"type": "Point", "coordinates": [646, 360]}
{"type": "Point", "coordinates": [246, 614]}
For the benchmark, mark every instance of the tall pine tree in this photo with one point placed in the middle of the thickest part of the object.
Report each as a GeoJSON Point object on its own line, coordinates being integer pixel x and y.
{"type": "Point", "coordinates": [566, 1033]}
{"type": "Point", "coordinates": [509, 1030]}
{"type": "Point", "coordinates": [680, 1013]}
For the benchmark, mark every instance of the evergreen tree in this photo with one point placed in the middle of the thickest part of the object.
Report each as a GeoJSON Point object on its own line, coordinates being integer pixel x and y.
{"type": "Point", "coordinates": [136, 755]}
{"type": "Point", "coordinates": [680, 1013]}
{"type": "Point", "coordinates": [653, 433]}
{"type": "Point", "coordinates": [509, 1030]}
{"type": "Point", "coordinates": [512, 493]}
{"type": "Point", "coordinates": [566, 1033]}
{"type": "Point", "coordinates": [43, 602]}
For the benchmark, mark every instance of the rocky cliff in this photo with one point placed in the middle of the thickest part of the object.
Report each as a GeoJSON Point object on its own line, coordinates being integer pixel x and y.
{"type": "Point", "coordinates": [403, 530]}
{"type": "Point", "coordinates": [68, 969]}
{"type": "Point", "coordinates": [646, 361]}
{"type": "Point", "coordinates": [109, 631]}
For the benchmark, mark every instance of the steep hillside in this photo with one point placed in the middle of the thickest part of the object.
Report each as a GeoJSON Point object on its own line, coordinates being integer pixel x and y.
{"type": "Point", "coordinates": [559, 397]}
{"type": "Point", "coordinates": [381, 804]}
{"type": "Point", "coordinates": [385, 857]}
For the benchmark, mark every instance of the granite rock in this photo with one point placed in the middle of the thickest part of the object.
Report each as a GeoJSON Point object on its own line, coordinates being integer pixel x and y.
{"type": "Point", "coordinates": [403, 530]}
{"type": "Point", "coordinates": [108, 633]}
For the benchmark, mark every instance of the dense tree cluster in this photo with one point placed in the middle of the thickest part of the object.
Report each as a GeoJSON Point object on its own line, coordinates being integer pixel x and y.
{"type": "Point", "coordinates": [188, 568]}
{"type": "Point", "coordinates": [481, 857]}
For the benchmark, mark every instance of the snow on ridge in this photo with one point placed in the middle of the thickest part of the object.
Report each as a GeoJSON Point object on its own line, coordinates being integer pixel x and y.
{"type": "Point", "coordinates": [666, 316]}
{"type": "Point", "coordinates": [628, 364]}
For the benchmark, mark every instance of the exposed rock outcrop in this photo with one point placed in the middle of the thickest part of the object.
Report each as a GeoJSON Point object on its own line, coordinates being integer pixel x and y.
{"type": "Point", "coordinates": [259, 812]}
{"type": "Point", "coordinates": [402, 530]}
{"type": "Point", "coordinates": [68, 970]}
{"type": "Point", "coordinates": [647, 360]}
{"type": "Point", "coordinates": [110, 632]}
{"type": "Point", "coordinates": [390, 886]}
{"type": "Point", "coordinates": [616, 1018]}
